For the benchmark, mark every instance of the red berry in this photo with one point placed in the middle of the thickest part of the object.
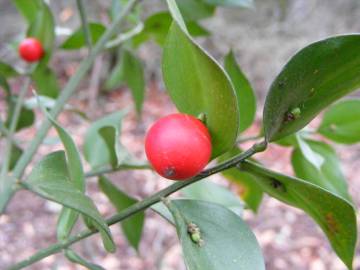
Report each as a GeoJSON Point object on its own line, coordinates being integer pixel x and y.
{"type": "Point", "coordinates": [31, 50]}
{"type": "Point", "coordinates": [178, 146]}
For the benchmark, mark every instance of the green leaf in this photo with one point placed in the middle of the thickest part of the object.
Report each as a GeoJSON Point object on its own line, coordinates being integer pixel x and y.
{"type": "Point", "coordinates": [335, 216]}
{"type": "Point", "coordinates": [7, 71]}
{"type": "Point", "coordinates": [231, 3]}
{"type": "Point", "coordinates": [77, 39]}
{"type": "Point", "coordinates": [315, 159]}
{"type": "Point", "coordinates": [328, 176]}
{"type": "Point", "coordinates": [26, 118]}
{"type": "Point", "coordinates": [42, 27]}
{"type": "Point", "coordinates": [211, 192]}
{"type": "Point", "coordinates": [224, 241]}
{"type": "Point", "coordinates": [249, 190]}
{"type": "Point", "coordinates": [341, 123]}
{"type": "Point", "coordinates": [133, 226]}
{"type": "Point", "coordinates": [129, 70]}
{"type": "Point", "coordinates": [45, 80]}
{"type": "Point", "coordinates": [245, 94]}
{"type": "Point", "coordinates": [50, 179]}
{"type": "Point", "coordinates": [197, 84]}
{"type": "Point", "coordinates": [157, 26]}
{"type": "Point", "coordinates": [315, 77]}
{"type": "Point", "coordinates": [28, 9]}
{"type": "Point", "coordinates": [68, 217]}
{"type": "Point", "coordinates": [75, 258]}
{"type": "Point", "coordinates": [16, 153]}
{"type": "Point", "coordinates": [4, 85]}
{"type": "Point", "coordinates": [99, 148]}
{"type": "Point", "coordinates": [193, 10]}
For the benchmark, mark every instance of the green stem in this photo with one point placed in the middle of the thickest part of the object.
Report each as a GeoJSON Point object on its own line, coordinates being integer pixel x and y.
{"type": "Point", "coordinates": [13, 124]}
{"type": "Point", "coordinates": [119, 168]}
{"type": "Point", "coordinates": [5, 132]}
{"type": "Point", "coordinates": [69, 90]}
{"type": "Point", "coordinates": [84, 23]}
{"type": "Point", "coordinates": [125, 36]}
{"type": "Point", "coordinates": [140, 206]}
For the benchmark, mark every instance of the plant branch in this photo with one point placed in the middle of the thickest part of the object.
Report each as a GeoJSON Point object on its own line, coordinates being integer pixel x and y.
{"type": "Point", "coordinates": [5, 132]}
{"type": "Point", "coordinates": [125, 36]}
{"type": "Point", "coordinates": [13, 124]}
{"type": "Point", "coordinates": [69, 90]}
{"type": "Point", "coordinates": [141, 206]}
{"type": "Point", "coordinates": [122, 167]}
{"type": "Point", "coordinates": [84, 22]}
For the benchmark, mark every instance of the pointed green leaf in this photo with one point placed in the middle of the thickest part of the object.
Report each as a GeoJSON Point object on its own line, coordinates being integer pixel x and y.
{"type": "Point", "coordinates": [7, 71]}
{"type": "Point", "coordinates": [335, 216]}
{"type": "Point", "coordinates": [45, 80]}
{"type": "Point", "coordinates": [223, 240]}
{"type": "Point", "coordinates": [157, 26]}
{"type": "Point", "coordinates": [328, 176]}
{"type": "Point", "coordinates": [129, 70]}
{"type": "Point", "coordinates": [42, 27]}
{"type": "Point", "coordinates": [197, 84]}
{"type": "Point", "coordinates": [26, 118]}
{"type": "Point", "coordinates": [99, 150]}
{"type": "Point", "coordinates": [77, 39]}
{"type": "Point", "coordinates": [50, 179]}
{"type": "Point", "coordinates": [28, 9]}
{"type": "Point", "coordinates": [341, 123]}
{"type": "Point", "coordinates": [75, 258]}
{"type": "Point", "coordinates": [245, 94]}
{"type": "Point", "coordinates": [132, 226]}
{"type": "Point", "coordinates": [211, 192]}
{"type": "Point", "coordinates": [194, 10]}
{"type": "Point", "coordinates": [68, 217]}
{"type": "Point", "coordinates": [249, 190]}
{"type": "Point", "coordinates": [315, 77]}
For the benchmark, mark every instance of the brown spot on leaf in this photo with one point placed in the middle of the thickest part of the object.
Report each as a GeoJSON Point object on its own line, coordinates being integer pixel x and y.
{"type": "Point", "coordinates": [332, 223]}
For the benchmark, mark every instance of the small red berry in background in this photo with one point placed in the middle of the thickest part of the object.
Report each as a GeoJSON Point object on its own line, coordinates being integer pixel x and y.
{"type": "Point", "coordinates": [178, 146]}
{"type": "Point", "coordinates": [31, 50]}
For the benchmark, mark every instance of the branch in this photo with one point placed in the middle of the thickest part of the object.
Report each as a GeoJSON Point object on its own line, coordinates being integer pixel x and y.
{"type": "Point", "coordinates": [13, 124]}
{"type": "Point", "coordinates": [141, 206]}
{"type": "Point", "coordinates": [69, 90]}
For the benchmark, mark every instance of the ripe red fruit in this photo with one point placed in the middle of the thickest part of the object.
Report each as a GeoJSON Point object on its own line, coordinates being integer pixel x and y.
{"type": "Point", "coordinates": [31, 50]}
{"type": "Point", "coordinates": [178, 146]}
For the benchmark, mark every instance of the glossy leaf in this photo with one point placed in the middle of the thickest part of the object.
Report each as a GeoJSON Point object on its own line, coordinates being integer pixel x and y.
{"type": "Point", "coordinates": [341, 123]}
{"type": "Point", "coordinates": [231, 3]}
{"type": "Point", "coordinates": [315, 77]}
{"type": "Point", "coordinates": [335, 216]}
{"type": "Point", "coordinates": [133, 226]}
{"type": "Point", "coordinates": [129, 70]}
{"type": "Point", "coordinates": [43, 28]}
{"type": "Point", "coordinates": [75, 258]}
{"type": "Point", "coordinates": [157, 26]}
{"type": "Point", "coordinates": [100, 151]}
{"type": "Point", "coordinates": [328, 176]}
{"type": "Point", "coordinates": [45, 80]}
{"type": "Point", "coordinates": [77, 39]}
{"type": "Point", "coordinates": [211, 192]}
{"type": "Point", "coordinates": [50, 179]}
{"type": "Point", "coordinates": [245, 94]}
{"type": "Point", "coordinates": [7, 71]}
{"type": "Point", "coordinates": [249, 190]}
{"type": "Point", "coordinates": [193, 10]}
{"type": "Point", "coordinates": [226, 242]}
{"type": "Point", "coordinates": [197, 84]}
{"type": "Point", "coordinates": [313, 157]}
{"type": "Point", "coordinates": [28, 8]}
